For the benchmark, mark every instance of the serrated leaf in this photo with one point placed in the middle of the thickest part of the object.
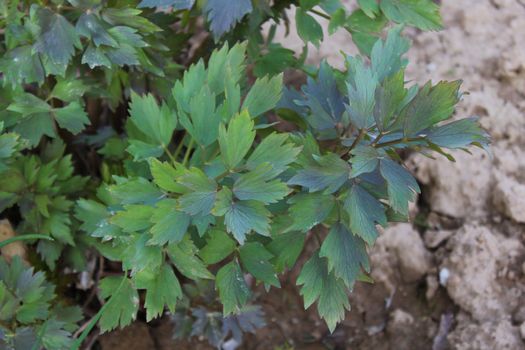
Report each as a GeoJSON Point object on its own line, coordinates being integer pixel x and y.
{"type": "Point", "coordinates": [57, 37]}
{"type": "Point", "coordinates": [135, 190]}
{"type": "Point", "coordinates": [273, 150]}
{"type": "Point", "coordinates": [324, 99]}
{"type": "Point", "coordinates": [162, 290]}
{"type": "Point", "coordinates": [387, 56]}
{"type": "Point", "coordinates": [165, 176]}
{"type": "Point", "coordinates": [370, 7]}
{"type": "Point", "coordinates": [72, 117]}
{"type": "Point", "coordinates": [256, 260]}
{"type": "Point", "coordinates": [233, 290]}
{"type": "Point", "coordinates": [458, 134]}
{"type": "Point", "coordinates": [224, 14]}
{"type": "Point", "coordinates": [346, 254]}
{"type": "Point", "coordinates": [133, 218]}
{"type": "Point", "coordinates": [365, 211]}
{"type": "Point", "coordinates": [389, 97]}
{"type": "Point", "coordinates": [95, 57]}
{"type": "Point", "coordinates": [241, 217]}
{"type": "Point", "coordinates": [184, 257]}
{"type": "Point", "coordinates": [226, 66]}
{"type": "Point", "coordinates": [431, 105]}
{"type": "Point", "coordinates": [423, 14]}
{"type": "Point", "coordinates": [308, 28]}
{"type": "Point", "coordinates": [308, 210]}
{"type": "Point", "coordinates": [90, 26]}
{"type": "Point", "coordinates": [218, 246]}
{"type": "Point", "coordinates": [169, 224]}
{"type": "Point", "coordinates": [361, 93]}
{"type": "Point", "coordinates": [364, 160]}
{"type": "Point", "coordinates": [319, 284]}
{"type": "Point", "coordinates": [286, 248]}
{"type": "Point", "coordinates": [402, 187]}
{"type": "Point", "coordinates": [201, 192]}
{"type": "Point", "coordinates": [328, 173]}
{"type": "Point", "coordinates": [20, 65]}
{"type": "Point", "coordinates": [255, 186]}
{"type": "Point", "coordinates": [263, 95]}
{"type": "Point", "coordinates": [237, 140]}
{"type": "Point", "coordinates": [123, 306]}
{"type": "Point", "coordinates": [157, 123]}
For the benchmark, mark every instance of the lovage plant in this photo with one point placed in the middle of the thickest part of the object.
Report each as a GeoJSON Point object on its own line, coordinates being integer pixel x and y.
{"type": "Point", "coordinates": [182, 182]}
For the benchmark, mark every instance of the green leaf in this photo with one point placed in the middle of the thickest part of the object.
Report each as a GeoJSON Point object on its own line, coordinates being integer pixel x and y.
{"type": "Point", "coordinates": [254, 186]}
{"type": "Point", "coordinates": [233, 290]}
{"type": "Point", "coordinates": [365, 211]}
{"type": "Point", "coordinates": [263, 95]}
{"type": "Point", "coordinates": [402, 187]}
{"type": "Point", "coordinates": [337, 20]}
{"type": "Point", "coordinates": [320, 284]}
{"type": "Point", "coordinates": [218, 246]}
{"type": "Point", "coordinates": [361, 93]}
{"type": "Point", "coordinates": [169, 224]}
{"type": "Point", "coordinates": [431, 105]}
{"type": "Point", "coordinates": [387, 56]}
{"type": "Point", "coordinates": [184, 257]}
{"type": "Point", "coordinates": [459, 134]}
{"type": "Point", "coordinates": [308, 28]}
{"type": "Point", "coordinates": [365, 160]}
{"type": "Point", "coordinates": [370, 7]}
{"type": "Point", "coordinates": [133, 218]}
{"type": "Point", "coordinates": [286, 248]}
{"type": "Point", "coordinates": [162, 289]}
{"type": "Point", "coordinates": [90, 26]}
{"type": "Point", "coordinates": [57, 39]}
{"type": "Point", "coordinates": [157, 123]}
{"type": "Point", "coordinates": [328, 173]}
{"type": "Point", "coordinates": [204, 124]}
{"type": "Point", "coordinates": [346, 254]}
{"type": "Point", "coordinates": [274, 150]}
{"type": "Point", "coordinates": [72, 117]}
{"type": "Point", "coordinates": [256, 260]}
{"type": "Point", "coordinates": [423, 14]}
{"type": "Point", "coordinates": [95, 57]}
{"type": "Point", "coordinates": [124, 306]}
{"type": "Point", "coordinates": [224, 14]}
{"type": "Point", "coordinates": [20, 65]}
{"type": "Point", "coordinates": [309, 209]}
{"type": "Point", "coordinates": [226, 66]}
{"type": "Point", "coordinates": [241, 217]}
{"type": "Point", "coordinates": [135, 190]}
{"type": "Point", "coordinates": [165, 176]}
{"type": "Point", "coordinates": [237, 140]}
{"type": "Point", "coordinates": [201, 193]}
{"type": "Point", "coordinates": [389, 97]}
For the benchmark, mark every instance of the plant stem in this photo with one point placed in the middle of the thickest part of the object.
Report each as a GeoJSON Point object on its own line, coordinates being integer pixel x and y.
{"type": "Point", "coordinates": [24, 238]}
{"type": "Point", "coordinates": [170, 156]}
{"type": "Point", "coordinates": [320, 14]}
{"type": "Point", "coordinates": [359, 137]}
{"type": "Point", "coordinates": [397, 141]}
{"type": "Point", "coordinates": [188, 152]}
{"type": "Point", "coordinates": [179, 147]}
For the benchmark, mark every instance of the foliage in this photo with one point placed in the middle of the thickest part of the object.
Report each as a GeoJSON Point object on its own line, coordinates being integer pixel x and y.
{"type": "Point", "coordinates": [181, 176]}
{"type": "Point", "coordinates": [30, 316]}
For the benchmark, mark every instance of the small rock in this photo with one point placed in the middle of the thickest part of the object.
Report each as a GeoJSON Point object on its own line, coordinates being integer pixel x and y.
{"type": "Point", "coordinates": [432, 286]}
{"type": "Point", "coordinates": [434, 238]}
{"type": "Point", "coordinates": [509, 197]}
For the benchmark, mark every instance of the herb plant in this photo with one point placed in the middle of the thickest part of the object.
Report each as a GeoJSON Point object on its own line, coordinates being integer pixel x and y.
{"type": "Point", "coordinates": [200, 176]}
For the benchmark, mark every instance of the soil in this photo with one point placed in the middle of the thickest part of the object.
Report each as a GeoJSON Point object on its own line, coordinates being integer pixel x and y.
{"type": "Point", "coordinates": [457, 279]}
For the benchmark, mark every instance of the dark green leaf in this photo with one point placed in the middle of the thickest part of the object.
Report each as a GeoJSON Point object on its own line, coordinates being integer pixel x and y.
{"type": "Point", "coordinates": [365, 212]}
{"type": "Point", "coordinates": [256, 260]}
{"type": "Point", "coordinates": [233, 290]}
{"type": "Point", "coordinates": [218, 246]}
{"type": "Point", "coordinates": [224, 14]}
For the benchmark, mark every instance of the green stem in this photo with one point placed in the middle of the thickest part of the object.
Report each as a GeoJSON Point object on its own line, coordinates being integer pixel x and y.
{"type": "Point", "coordinates": [179, 148]}
{"type": "Point", "coordinates": [397, 141]}
{"type": "Point", "coordinates": [24, 238]}
{"type": "Point", "coordinates": [321, 14]}
{"type": "Point", "coordinates": [170, 156]}
{"type": "Point", "coordinates": [359, 137]}
{"type": "Point", "coordinates": [188, 152]}
{"type": "Point", "coordinates": [78, 342]}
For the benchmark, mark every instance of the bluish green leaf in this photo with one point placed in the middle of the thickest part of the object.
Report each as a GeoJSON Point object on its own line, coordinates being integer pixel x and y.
{"type": "Point", "coordinates": [224, 14]}
{"type": "Point", "coordinates": [184, 257]}
{"type": "Point", "coordinates": [458, 134]}
{"type": "Point", "coordinates": [177, 4]}
{"type": "Point", "coordinates": [286, 248]}
{"type": "Point", "coordinates": [274, 150]}
{"type": "Point", "coordinates": [423, 14]}
{"type": "Point", "coordinates": [346, 254]}
{"type": "Point", "coordinates": [329, 173]}
{"type": "Point", "coordinates": [233, 290]}
{"type": "Point", "coordinates": [201, 193]}
{"type": "Point", "coordinates": [218, 246]}
{"type": "Point", "coordinates": [365, 211]}
{"type": "Point", "coordinates": [387, 55]}
{"type": "Point", "coordinates": [361, 93]}
{"type": "Point", "coordinates": [256, 260]}
{"type": "Point", "coordinates": [309, 209]}
{"type": "Point", "coordinates": [255, 186]}
{"type": "Point", "coordinates": [402, 187]}
{"type": "Point", "coordinates": [241, 217]}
